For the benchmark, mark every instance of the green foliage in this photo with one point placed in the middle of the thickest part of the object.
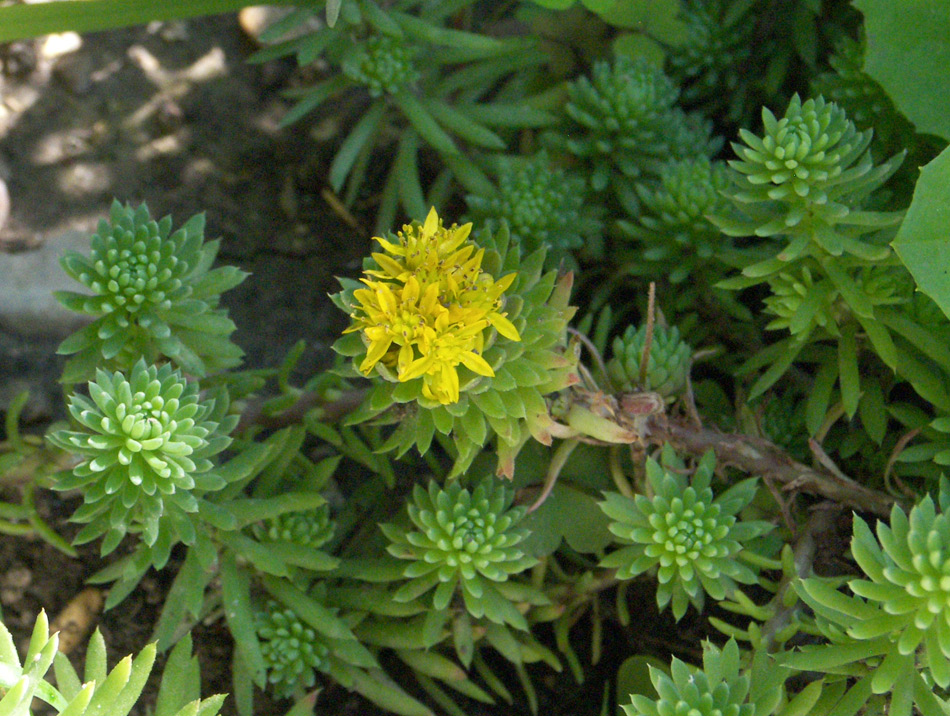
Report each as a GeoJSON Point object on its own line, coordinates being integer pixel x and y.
{"type": "Point", "coordinates": [720, 687]}
{"type": "Point", "coordinates": [908, 55]}
{"type": "Point", "coordinates": [146, 445]}
{"type": "Point", "coordinates": [895, 630]}
{"type": "Point", "coordinates": [18, 22]}
{"type": "Point", "coordinates": [459, 361]}
{"type": "Point", "coordinates": [921, 241]}
{"type": "Point", "coordinates": [463, 541]}
{"type": "Point", "coordinates": [624, 123]}
{"type": "Point", "coordinates": [666, 365]}
{"type": "Point", "coordinates": [291, 649]}
{"type": "Point", "coordinates": [692, 539]}
{"type": "Point", "coordinates": [115, 692]}
{"type": "Point", "coordinates": [674, 237]}
{"type": "Point", "coordinates": [153, 294]}
{"type": "Point", "coordinates": [544, 206]}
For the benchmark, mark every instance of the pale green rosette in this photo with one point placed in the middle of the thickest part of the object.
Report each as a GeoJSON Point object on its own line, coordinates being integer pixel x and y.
{"type": "Point", "coordinates": [153, 294]}
{"type": "Point", "coordinates": [692, 539]}
{"type": "Point", "coordinates": [145, 441]}
{"type": "Point", "coordinates": [462, 541]}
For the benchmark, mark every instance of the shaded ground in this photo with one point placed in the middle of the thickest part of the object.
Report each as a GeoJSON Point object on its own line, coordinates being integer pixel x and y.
{"type": "Point", "coordinates": [171, 115]}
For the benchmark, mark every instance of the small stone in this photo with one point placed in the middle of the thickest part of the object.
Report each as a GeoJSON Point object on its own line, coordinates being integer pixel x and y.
{"type": "Point", "coordinates": [60, 44]}
{"type": "Point", "coordinates": [4, 204]}
{"type": "Point", "coordinates": [27, 282]}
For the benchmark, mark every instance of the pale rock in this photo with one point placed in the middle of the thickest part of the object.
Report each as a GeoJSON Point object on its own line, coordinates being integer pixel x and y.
{"type": "Point", "coordinates": [27, 282]}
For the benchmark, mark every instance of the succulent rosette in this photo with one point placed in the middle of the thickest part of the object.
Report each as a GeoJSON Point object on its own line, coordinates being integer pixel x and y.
{"type": "Point", "coordinates": [670, 221]}
{"type": "Point", "coordinates": [383, 64]}
{"type": "Point", "coordinates": [807, 174]}
{"type": "Point", "coordinates": [462, 541]}
{"type": "Point", "coordinates": [667, 364]}
{"type": "Point", "coordinates": [153, 293]}
{"type": "Point", "coordinates": [313, 528]}
{"type": "Point", "coordinates": [625, 122]}
{"type": "Point", "coordinates": [908, 577]}
{"type": "Point", "coordinates": [466, 335]}
{"type": "Point", "coordinates": [543, 205]}
{"type": "Point", "coordinates": [709, 63]}
{"type": "Point", "coordinates": [145, 440]}
{"type": "Point", "coordinates": [692, 539]}
{"type": "Point", "coordinates": [720, 688]}
{"type": "Point", "coordinates": [292, 650]}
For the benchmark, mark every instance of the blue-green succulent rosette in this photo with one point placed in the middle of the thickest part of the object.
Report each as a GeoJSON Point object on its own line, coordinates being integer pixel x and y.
{"type": "Point", "coordinates": [462, 541]}
{"type": "Point", "coordinates": [145, 441]}
{"type": "Point", "coordinates": [152, 293]}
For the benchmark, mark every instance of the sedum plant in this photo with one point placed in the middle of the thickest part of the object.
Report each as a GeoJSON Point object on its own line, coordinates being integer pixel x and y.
{"type": "Point", "coordinates": [894, 628]}
{"type": "Point", "coordinates": [721, 686]}
{"type": "Point", "coordinates": [100, 691]}
{"type": "Point", "coordinates": [154, 294]}
{"type": "Point", "coordinates": [664, 369]}
{"type": "Point", "coordinates": [146, 443]}
{"type": "Point", "coordinates": [543, 205]}
{"type": "Point", "coordinates": [462, 542]}
{"type": "Point", "coordinates": [693, 540]}
{"type": "Point", "coordinates": [470, 352]}
{"type": "Point", "coordinates": [623, 123]}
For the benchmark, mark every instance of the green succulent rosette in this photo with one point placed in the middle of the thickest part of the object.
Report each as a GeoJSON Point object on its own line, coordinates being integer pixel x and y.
{"type": "Point", "coordinates": [670, 221]}
{"type": "Point", "coordinates": [723, 686]}
{"type": "Point", "coordinates": [543, 205]}
{"type": "Point", "coordinates": [908, 579]}
{"type": "Point", "coordinates": [692, 539]}
{"type": "Point", "coordinates": [504, 343]}
{"type": "Point", "coordinates": [462, 541]}
{"type": "Point", "coordinates": [153, 293]}
{"type": "Point", "coordinates": [292, 650]}
{"type": "Point", "coordinates": [313, 528]}
{"type": "Point", "coordinates": [804, 178]}
{"type": "Point", "coordinates": [708, 64]}
{"type": "Point", "coordinates": [894, 632]}
{"type": "Point", "coordinates": [667, 364]}
{"type": "Point", "coordinates": [383, 64]}
{"type": "Point", "coordinates": [145, 441]}
{"type": "Point", "coordinates": [624, 122]}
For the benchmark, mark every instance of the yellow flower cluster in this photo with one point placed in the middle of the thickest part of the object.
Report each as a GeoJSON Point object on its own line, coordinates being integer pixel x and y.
{"type": "Point", "coordinates": [428, 307]}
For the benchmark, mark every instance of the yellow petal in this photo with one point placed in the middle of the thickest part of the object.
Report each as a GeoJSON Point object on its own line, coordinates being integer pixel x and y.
{"type": "Point", "coordinates": [392, 248]}
{"type": "Point", "coordinates": [431, 224]}
{"type": "Point", "coordinates": [504, 326]}
{"type": "Point", "coordinates": [390, 266]}
{"type": "Point", "coordinates": [377, 349]}
{"type": "Point", "coordinates": [477, 364]}
{"type": "Point", "coordinates": [505, 281]}
{"type": "Point", "coordinates": [418, 367]}
{"type": "Point", "coordinates": [448, 386]}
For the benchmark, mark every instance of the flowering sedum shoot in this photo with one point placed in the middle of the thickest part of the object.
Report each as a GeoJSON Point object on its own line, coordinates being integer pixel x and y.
{"type": "Point", "coordinates": [693, 540]}
{"type": "Point", "coordinates": [145, 440]}
{"type": "Point", "coordinates": [462, 541]}
{"type": "Point", "coordinates": [153, 294]}
{"type": "Point", "coordinates": [429, 308]}
{"type": "Point", "coordinates": [470, 335]}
